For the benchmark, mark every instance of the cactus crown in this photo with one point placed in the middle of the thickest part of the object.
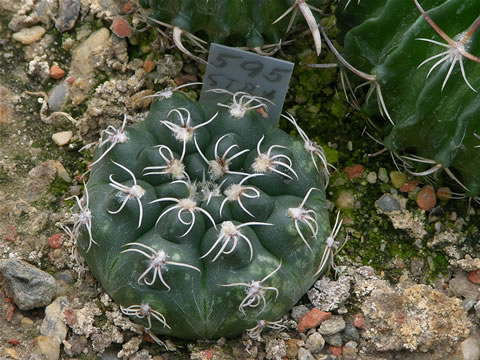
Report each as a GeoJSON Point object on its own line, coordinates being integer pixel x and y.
{"type": "Point", "coordinates": [204, 221]}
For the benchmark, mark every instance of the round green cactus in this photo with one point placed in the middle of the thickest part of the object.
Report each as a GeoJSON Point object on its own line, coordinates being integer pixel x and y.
{"type": "Point", "coordinates": [419, 57]}
{"type": "Point", "coordinates": [251, 23]}
{"type": "Point", "coordinates": [204, 219]}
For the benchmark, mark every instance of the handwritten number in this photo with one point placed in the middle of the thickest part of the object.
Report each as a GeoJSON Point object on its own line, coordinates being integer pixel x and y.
{"type": "Point", "coordinates": [275, 75]}
{"type": "Point", "coordinates": [253, 67]}
{"type": "Point", "coordinates": [221, 62]}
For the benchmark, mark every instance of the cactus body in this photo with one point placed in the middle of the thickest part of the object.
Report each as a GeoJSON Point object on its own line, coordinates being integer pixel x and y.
{"type": "Point", "coordinates": [204, 223]}
{"type": "Point", "coordinates": [435, 118]}
{"type": "Point", "coordinates": [231, 22]}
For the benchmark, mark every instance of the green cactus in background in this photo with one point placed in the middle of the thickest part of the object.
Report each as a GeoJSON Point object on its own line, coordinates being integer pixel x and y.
{"type": "Point", "coordinates": [257, 24]}
{"type": "Point", "coordinates": [206, 220]}
{"type": "Point", "coordinates": [419, 58]}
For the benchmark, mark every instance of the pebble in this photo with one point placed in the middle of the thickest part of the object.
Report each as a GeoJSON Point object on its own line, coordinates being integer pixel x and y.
{"type": "Point", "coordinates": [53, 323]}
{"type": "Point", "coordinates": [292, 348]}
{"type": "Point", "coordinates": [67, 14]}
{"type": "Point", "coordinates": [358, 321]}
{"type": "Point", "coordinates": [332, 326]}
{"type": "Point", "coordinates": [304, 354]}
{"type": "Point", "coordinates": [398, 179]}
{"type": "Point", "coordinates": [426, 199]}
{"type": "Point", "coordinates": [82, 61]}
{"type": "Point", "coordinates": [26, 322]}
{"type": "Point", "coordinates": [315, 343]}
{"type": "Point", "coordinates": [30, 35]}
{"type": "Point", "coordinates": [312, 319]}
{"type": "Point", "coordinates": [334, 340]}
{"type": "Point", "coordinates": [48, 347]}
{"type": "Point", "coordinates": [56, 72]}
{"type": "Point", "coordinates": [30, 287]}
{"type": "Point", "coordinates": [383, 175]}
{"type": "Point", "coordinates": [55, 241]}
{"type": "Point", "coordinates": [299, 311]}
{"type": "Point", "coordinates": [444, 193]}
{"type": "Point", "coordinates": [372, 177]}
{"type": "Point", "coordinates": [58, 97]}
{"type": "Point", "coordinates": [350, 333]}
{"type": "Point", "coordinates": [346, 200]}
{"type": "Point", "coordinates": [388, 203]}
{"type": "Point", "coordinates": [354, 171]}
{"type": "Point", "coordinates": [410, 185]}
{"type": "Point", "coordinates": [148, 66]}
{"type": "Point", "coordinates": [470, 349]}
{"type": "Point", "coordinates": [62, 138]}
{"type": "Point", "coordinates": [474, 276]}
{"type": "Point", "coordinates": [335, 350]}
{"type": "Point", "coordinates": [121, 27]}
{"type": "Point", "coordinates": [328, 295]}
{"type": "Point", "coordinates": [12, 353]}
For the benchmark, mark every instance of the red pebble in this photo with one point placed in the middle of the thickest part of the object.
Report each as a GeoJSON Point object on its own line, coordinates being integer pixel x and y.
{"type": "Point", "coordinates": [209, 354]}
{"type": "Point", "coordinates": [444, 193]}
{"type": "Point", "coordinates": [358, 321]}
{"type": "Point", "coordinates": [474, 276]}
{"type": "Point", "coordinates": [148, 66]}
{"type": "Point", "coordinates": [127, 8]}
{"type": "Point", "coordinates": [14, 342]}
{"type": "Point", "coordinates": [55, 241]}
{"type": "Point", "coordinates": [57, 72]}
{"type": "Point", "coordinates": [121, 27]}
{"type": "Point", "coordinates": [335, 350]}
{"type": "Point", "coordinates": [410, 185]}
{"type": "Point", "coordinates": [426, 198]}
{"type": "Point", "coordinates": [354, 171]}
{"type": "Point", "coordinates": [9, 312]}
{"type": "Point", "coordinates": [11, 234]}
{"type": "Point", "coordinates": [71, 80]}
{"type": "Point", "coordinates": [312, 319]}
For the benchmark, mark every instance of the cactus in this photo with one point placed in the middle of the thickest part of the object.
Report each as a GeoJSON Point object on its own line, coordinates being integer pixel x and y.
{"type": "Point", "coordinates": [205, 220]}
{"type": "Point", "coordinates": [257, 24]}
{"type": "Point", "coordinates": [419, 57]}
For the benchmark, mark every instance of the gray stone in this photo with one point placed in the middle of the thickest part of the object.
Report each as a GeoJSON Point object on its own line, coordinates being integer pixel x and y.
{"type": "Point", "coordinates": [299, 311]}
{"type": "Point", "coordinates": [387, 203]}
{"type": "Point", "coordinates": [315, 343]}
{"type": "Point", "coordinates": [53, 324]}
{"type": "Point", "coordinates": [383, 175]}
{"type": "Point", "coordinates": [470, 349]}
{"type": "Point", "coordinates": [334, 340]}
{"type": "Point", "coordinates": [58, 97]}
{"type": "Point", "coordinates": [65, 276]}
{"type": "Point", "coordinates": [47, 346]}
{"type": "Point", "coordinates": [304, 354]}
{"type": "Point", "coordinates": [332, 326]}
{"type": "Point", "coordinates": [67, 14]}
{"type": "Point", "coordinates": [350, 333]}
{"type": "Point", "coordinates": [30, 287]}
{"type": "Point", "coordinates": [328, 295]}
{"type": "Point", "coordinates": [460, 286]}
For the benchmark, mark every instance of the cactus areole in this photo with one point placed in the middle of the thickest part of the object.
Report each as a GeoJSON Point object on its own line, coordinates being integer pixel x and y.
{"type": "Point", "coordinates": [204, 219]}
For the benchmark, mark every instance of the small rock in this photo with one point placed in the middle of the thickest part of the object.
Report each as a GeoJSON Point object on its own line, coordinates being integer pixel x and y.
{"type": "Point", "coordinates": [148, 66]}
{"type": "Point", "coordinates": [292, 348]}
{"type": "Point", "coordinates": [372, 177]}
{"type": "Point", "coordinates": [387, 203]}
{"type": "Point", "coordinates": [62, 138]}
{"type": "Point", "coordinates": [350, 333]}
{"type": "Point", "coordinates": [470, 349]}
{"type": "Point", "coordinates": [48, 347]}
{"type": "Point", "coordinates": [29, 35]}
{"type": "Point", "coordinates": [461, 286]}
{"type": "Point", "coordinates": [358, 321]}
{"type": "Point", "coordinates": [383, 175]}
{"type": "Point", "coordinates": [58, 97]}
{"type": "Point", "coordinates": [315, 343]}
{"type": "Point", "coordinates": [312, 319]}
{"type": "Point", "coordinates": [426, 199]}
{"type": "Point", "coordinates": [328, 295]}
{"type": "Point", "coordinates": [299, 311]}
{"type": "Point", "coordinates": [53, 324]}
{"type": "Point", "coordinates": [350, 350]}
{"type": "Point", "coordinates": [61, 171]}
{"type": "Point", "coordinates": [121, 27]}
{"type": "Point", "coordinates": [410, 185]}
{"type": "Point", "coordinates": [12, 353]}
{"type": "Point", "coordinates": [346, 200]}
{"type": "Point", "coordinates": [55, 241]}
{"type": "Point", "coordinates": [398, 179]}
{"type": "Point", "coordinates": [31, 287]}
{"type": "Point", "coordinates": [67, 14]}
{"type": "Point", "coordinates": [354, 171]}
{"type": "Point", "coordinates": [304, 354]}
{"type": "Point", "coordinates": [335, 339]}
{"type": "Point", "coordinates": [276, 349]}
{"type": "Point", "coordinates": [335, 350]}
{"type": "Point", "coordinates": [474, 276]}
{"type": "Point", "coordinates": [26, 322]}
{"type": "Point", "coordinates": [332, 326]}
{"type": "Point", "coordinates": [444, 193]}
{"type": "Point", "coordinates": [56, 72]}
